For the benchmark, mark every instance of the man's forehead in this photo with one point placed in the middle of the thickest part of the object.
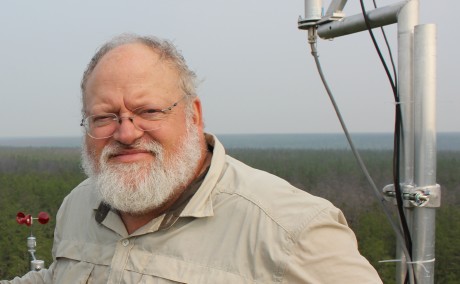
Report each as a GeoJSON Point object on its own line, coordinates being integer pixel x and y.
{"type": "Point", "coordinates": [130, 54]}
{"type": "Point", "coordinates": [132, 61]}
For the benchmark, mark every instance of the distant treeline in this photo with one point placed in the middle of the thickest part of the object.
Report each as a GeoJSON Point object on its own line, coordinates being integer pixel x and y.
{"type": "Point", "coordinates": [37, 179]}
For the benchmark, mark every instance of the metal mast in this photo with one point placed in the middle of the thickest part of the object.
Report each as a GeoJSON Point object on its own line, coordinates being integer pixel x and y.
{"type": "Point", "coordinates": [417, 93]}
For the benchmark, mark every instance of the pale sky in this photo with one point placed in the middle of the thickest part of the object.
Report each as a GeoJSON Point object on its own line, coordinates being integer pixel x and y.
{"type": "Point", "coordinates": [257, 72]}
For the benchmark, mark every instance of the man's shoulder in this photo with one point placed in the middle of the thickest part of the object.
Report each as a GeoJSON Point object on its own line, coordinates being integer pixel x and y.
{"type": "Point", "coordinates": [77, 209]}
{"type": "Point", "coordinates": [82, 194]}
{"type": "Point", "coordinates": [286, 205]}
{"type": "Point", "coordinates": [239, 178]}
{"type": "Point", "coordinates": [83, 188]}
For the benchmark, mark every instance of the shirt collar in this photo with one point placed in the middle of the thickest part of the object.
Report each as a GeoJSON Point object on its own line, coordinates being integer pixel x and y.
{"type": "Point", "coordinates": [200, 205]}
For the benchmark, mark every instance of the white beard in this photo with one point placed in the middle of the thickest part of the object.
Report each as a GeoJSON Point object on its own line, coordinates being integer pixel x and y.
{"type": "Point", "coordinates": [136, 188]}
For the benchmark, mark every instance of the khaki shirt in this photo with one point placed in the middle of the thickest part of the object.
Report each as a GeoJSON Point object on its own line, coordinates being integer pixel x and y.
{"type": "Point", "coordinates": [241, 226]}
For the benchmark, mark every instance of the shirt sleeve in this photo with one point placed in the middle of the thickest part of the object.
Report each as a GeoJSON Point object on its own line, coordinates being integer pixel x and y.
{"type": "Point", "coordinates": [34, 277]}
{"type": "Point", "coordinates": [327, 252]}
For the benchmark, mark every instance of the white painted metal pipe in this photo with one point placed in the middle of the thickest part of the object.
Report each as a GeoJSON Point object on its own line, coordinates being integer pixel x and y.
{"type": "Point", "coordinates": [425, 149]}
{"type": "Point", "coordinates": [379, 17]}
{"type": "Point", "coordinates": [408, 18]}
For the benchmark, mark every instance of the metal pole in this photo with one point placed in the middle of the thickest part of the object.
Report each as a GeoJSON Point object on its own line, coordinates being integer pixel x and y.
{"type": "Point", "coordinates": [408, 18]}
{"type": "Point", "coordinates": [416, 90]}
{"type": "Point", "coordinates": [425, 150]}
{"type": "Point", "coordinates": [378, 18]}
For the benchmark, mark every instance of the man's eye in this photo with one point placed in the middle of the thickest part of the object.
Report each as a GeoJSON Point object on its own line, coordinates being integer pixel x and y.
{"type": "Point", "coordinates": [149, 113]}
{"type": "Point", "coordinates": [101, 120]}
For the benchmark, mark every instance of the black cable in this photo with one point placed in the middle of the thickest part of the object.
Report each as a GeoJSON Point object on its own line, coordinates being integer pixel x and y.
{"type": "Point", "coordinates": [397, 134]}
{"type": "Point", "coordinates": [387, 71]}
{"type": "Point", "coordinates": [399, 200]}
{"type": "Point", "coordinates": [390, 54]}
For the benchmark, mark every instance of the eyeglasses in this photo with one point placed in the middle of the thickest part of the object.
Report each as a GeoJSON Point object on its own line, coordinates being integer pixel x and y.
{"type": "Point", "coordinates": [145, 118]}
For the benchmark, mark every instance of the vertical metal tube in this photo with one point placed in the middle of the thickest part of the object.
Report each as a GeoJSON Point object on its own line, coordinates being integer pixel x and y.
{"type": "Point", "coordinates": [313, 10]}
{"type": "Point", "coordinates": [408, 18]}
{"type": "Point", "coordinates": [425, 148]}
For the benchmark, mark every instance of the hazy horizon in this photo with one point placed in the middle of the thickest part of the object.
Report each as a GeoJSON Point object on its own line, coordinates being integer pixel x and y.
{"type": "Point", "coordinates": [445, 141]}
{"type": "Point", "coordinates": [242, 133]}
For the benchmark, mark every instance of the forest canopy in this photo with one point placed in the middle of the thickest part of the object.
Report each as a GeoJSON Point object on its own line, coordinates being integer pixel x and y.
{"type": "Point", "coordinates": [37, 179]}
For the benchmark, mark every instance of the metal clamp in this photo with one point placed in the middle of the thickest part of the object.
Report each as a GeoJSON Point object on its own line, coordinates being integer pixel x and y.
{"type": "Point", "coordinates": [425, 196]}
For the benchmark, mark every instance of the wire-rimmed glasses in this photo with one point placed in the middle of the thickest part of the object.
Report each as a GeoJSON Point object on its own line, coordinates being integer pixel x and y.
{"type": "Point", "coordinates": [145, 118]}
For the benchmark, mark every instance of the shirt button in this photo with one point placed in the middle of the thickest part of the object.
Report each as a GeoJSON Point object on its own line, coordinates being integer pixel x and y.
{"type": "Point", "coordinates": [125, 242]}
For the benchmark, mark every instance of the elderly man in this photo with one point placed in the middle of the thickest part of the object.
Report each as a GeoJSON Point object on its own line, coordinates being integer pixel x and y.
{"type": "Point", "coordinates": [163, 202]}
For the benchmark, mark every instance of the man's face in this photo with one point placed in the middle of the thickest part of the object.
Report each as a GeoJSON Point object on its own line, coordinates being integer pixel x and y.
{"type": "Point", "coordinates": [126, 78]}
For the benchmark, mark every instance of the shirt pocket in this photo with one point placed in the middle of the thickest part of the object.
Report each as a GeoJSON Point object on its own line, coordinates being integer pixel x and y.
{"type": "Point", "coordinates": [75, 262]}
{"type": "Point", "coordinates": [71, 271]}
{"type": "Point", "coordinates": [163, 269]}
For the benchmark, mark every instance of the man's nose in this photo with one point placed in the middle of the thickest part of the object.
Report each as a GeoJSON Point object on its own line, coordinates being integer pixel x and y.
{"type": "Point", "coordinates": [127, 133]}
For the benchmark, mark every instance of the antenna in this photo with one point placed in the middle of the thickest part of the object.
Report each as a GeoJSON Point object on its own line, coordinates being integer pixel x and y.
{"type": "Point", "coordinates": [28, 220]}
{"type": "Point", "coordinates": [416, 83]}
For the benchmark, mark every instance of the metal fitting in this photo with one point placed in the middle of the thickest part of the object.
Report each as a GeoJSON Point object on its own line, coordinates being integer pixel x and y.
{"type": "Point", "coordinates": [426, 196]}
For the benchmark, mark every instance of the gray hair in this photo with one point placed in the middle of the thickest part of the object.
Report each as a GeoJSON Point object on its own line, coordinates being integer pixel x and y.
{"type": "Point", "coordinates": [165, 49]}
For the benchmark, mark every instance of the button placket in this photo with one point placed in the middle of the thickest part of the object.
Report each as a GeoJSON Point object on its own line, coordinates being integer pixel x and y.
{"type": "Point", "coordinates": [119, 260]}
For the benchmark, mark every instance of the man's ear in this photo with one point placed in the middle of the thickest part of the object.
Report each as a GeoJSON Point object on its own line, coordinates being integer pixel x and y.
{"type": "Point", "coordinates": [197, 113]}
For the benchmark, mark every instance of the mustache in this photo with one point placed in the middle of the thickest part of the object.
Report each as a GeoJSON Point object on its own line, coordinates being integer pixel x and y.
{"type": "Point", "coordinates": [115, 148]}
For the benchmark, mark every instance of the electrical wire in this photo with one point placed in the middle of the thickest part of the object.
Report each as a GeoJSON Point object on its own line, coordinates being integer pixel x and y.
{"type": "Point", "coordinates": [395, 227]}
{"type": "Point", "coordinates": [387, 71]}
{"type": "Point", "coordinates": [389, 52]}
{"type": "Point", "coordinates": [397, 134]}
